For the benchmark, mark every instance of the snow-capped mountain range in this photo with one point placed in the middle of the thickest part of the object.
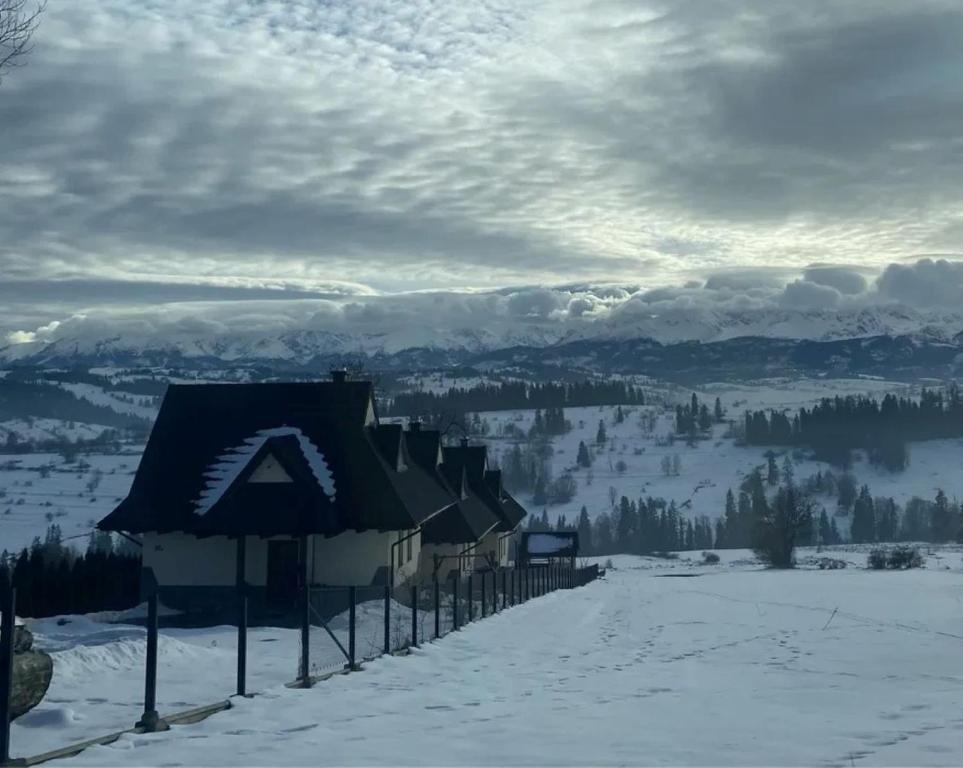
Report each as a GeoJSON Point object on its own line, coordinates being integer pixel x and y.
{"type": "Point", "coordinates": [420, 344]}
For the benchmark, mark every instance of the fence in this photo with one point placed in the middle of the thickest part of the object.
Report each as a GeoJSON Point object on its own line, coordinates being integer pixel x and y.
{"type": "Point", "coordinates": [330, 629]}
{"type": "Point", "coordinates": [344, 626]}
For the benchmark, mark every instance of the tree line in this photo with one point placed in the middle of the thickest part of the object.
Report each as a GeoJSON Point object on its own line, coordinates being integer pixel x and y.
{"type": "Point", "coordinates": [836, 426]}
{"type": "Point", "coordinates": [514, 396]}
{"type": "Point", "coordinates": [52, 579]}
{"type": "Point", "coordinates": [641, 527]}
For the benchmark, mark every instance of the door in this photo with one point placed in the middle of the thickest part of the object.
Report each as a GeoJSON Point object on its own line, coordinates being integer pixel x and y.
{"type": "Point", "coordinates": [282, 574]}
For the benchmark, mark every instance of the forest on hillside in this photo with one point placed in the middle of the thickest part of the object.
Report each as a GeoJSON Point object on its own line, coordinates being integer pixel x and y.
{"type": "Point", "coordinates": [835, 427]}
{"type": "Point", "coordinates": [514, 396]}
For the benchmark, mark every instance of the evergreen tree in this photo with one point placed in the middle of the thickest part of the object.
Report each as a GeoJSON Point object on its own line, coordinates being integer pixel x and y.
{"type": "Point", "coordinates": [772, 471]}
{"type": "Point", "coordinates": [600, 436]}
{"type": "Point", "coordinates": [943, 527]}
{"type": "Point", "coordinates": [864, 518]}
{"type": "Point", "coordinates": [718, 413]}
{"type": "Point", "coordinates": [837, 538]}
{"type": "Point", "coordinates": [787, 470]}
{"type": "Point", "coordinates": [584, 529]}
{"type": "Point", "coordinates": [825, 531]}
{"type": "Point", "coordinates": [603, 534]}
{"type": "Point", "coordinates": [540, 492]}
{"type": "Point", "coordinates": [584, 457]}
{"type": "Point", "coordinates": [887, 519]}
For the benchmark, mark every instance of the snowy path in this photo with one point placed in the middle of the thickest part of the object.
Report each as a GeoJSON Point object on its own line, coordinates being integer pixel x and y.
{"type": "Point", "coordinates": [734, 667]}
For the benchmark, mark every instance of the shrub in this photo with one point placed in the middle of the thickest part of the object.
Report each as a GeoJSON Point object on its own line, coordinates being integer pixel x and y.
{"type": "Point", "coordinates": [710, 558]}
{"type": "Point", "coordinates": [905, 557]}
{"type": "Point", "coordinates": [877, 559]}
{"type": "Point", "coordinates": [898, 558]}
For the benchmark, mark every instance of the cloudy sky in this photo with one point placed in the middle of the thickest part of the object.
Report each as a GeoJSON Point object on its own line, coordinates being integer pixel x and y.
{"type": "Point", "coordinates": [233, 153]}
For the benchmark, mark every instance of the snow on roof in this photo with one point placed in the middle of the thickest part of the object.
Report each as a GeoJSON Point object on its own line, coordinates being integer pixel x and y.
{"type": "Point", "coordinates": [548, 543]}
{"type": "Point", "coordinates": [228, 466]}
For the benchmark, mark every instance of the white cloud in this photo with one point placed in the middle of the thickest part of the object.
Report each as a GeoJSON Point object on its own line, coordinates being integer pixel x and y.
{"type": "Point", "coordinates": [802, 294]}
{"type": "Point", "coordinates": [926, 283]}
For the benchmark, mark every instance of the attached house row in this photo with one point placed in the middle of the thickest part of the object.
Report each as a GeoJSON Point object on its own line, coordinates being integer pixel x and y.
{"type": "Point", "coordinates": [309, 480]}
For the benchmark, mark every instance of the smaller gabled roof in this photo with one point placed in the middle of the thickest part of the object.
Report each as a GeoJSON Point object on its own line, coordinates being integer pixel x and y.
{"type": "Point", "coordinates": [485, 484]}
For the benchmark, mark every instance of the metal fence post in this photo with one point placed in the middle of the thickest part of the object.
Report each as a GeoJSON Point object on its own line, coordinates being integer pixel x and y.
{"type": "Point", "coordinates": [387, 619]}
{"type": "Point", "coordinates": [150, 721]}
{"type": "Point", "coordinates": [471, 600]}
{"type": "Point", "coordinates": [454, 600]}
{"type": "Point", "coordinates": [305, 613]}
{"type": "Point", "coordinates": [483, 580]}
{"type": "Point", "coordinates": [241, 587]}
{"type": "Point", "coordinates": [437, 610]}
{"type": "Point", "coordinates": [352, 624]}
{"type": "Point", "coordinates": [8, 604]}
{"type": "Point", "coordinates": [414, 617]}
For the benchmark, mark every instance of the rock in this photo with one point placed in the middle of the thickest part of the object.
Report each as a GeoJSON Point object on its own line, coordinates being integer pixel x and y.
{"type": "Point", "coordinates": [22, 639]}
{"type": "Point", "coordinates": [32, 672]}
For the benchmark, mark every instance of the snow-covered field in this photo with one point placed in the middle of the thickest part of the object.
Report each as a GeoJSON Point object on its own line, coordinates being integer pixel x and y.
{"type": "Point", "coordinates": [661, 663]}
{"type": "Point", "coordinates": [39, 489]}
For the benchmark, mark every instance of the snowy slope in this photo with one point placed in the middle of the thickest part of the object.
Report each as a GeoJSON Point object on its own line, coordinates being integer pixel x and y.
{"type": "Point", "coordinates": [734, 666]}
{"type": "Point", "coordinates": [713, 466]}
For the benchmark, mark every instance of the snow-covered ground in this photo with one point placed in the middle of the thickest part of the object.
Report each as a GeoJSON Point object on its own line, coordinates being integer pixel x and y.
{"type": "Point", "coordinates": [733, 665]}
{"type": "Point", "coordinates": [122, 402]}
{"type": "Point", "coordinates": [706, 470]}
{"type": "Point", "coordinates": [39, 430]}
{"type": "Point", "coordinates": [39, 489]}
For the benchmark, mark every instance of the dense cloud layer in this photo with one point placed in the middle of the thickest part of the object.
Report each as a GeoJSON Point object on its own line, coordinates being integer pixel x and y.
{"type": "Point", "coordinates": [248, 146]}
{"type": "Point", "coordinates": [811, 303]}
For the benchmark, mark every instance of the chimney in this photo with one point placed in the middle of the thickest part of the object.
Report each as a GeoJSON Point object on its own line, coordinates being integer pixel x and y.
{"type": "Point", "coordinates": [464, 442]}
{"type": "Point", "coordinates": [414, 425]}
{"type": "Point", "coordinates": [339, 375]}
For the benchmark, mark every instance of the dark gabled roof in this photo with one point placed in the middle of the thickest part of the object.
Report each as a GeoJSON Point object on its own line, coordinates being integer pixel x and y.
{"type": "Point", "coordinates": [199, 425]}
{"type": "Point", "coordinates": [515, 510]}
{"type": "Point", "coordinates": [388, 438]}
{"type": "Point", "coordinates": [485, 484]}
{"type": "Point", "coordinates": [415, 483]}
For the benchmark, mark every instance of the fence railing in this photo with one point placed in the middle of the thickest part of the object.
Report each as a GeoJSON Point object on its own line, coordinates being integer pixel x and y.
{"type": "Point", "coordinates": [338, 628]}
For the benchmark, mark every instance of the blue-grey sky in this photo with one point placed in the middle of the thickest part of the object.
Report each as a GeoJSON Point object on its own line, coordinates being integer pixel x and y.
{"type": "Point", "coordinates": [157, 152]}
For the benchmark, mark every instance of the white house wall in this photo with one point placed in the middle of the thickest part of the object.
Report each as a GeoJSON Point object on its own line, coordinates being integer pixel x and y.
{"type": "Point", "coordinates": [351, 558]}
{"type": "Point", "coordinates": [182, 560]}
{"type": "Point", "coordinates": [355, 558]}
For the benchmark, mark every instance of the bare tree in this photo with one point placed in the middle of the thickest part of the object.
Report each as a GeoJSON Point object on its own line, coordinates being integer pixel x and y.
{"type": "Point", "coordinates": [18, 21]}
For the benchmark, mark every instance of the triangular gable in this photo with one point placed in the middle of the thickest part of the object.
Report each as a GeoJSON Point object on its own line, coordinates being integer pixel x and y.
{"type": "Point", "coordinates": [270, 470]}
{"type": "Point", "coordinates": [238, 465]}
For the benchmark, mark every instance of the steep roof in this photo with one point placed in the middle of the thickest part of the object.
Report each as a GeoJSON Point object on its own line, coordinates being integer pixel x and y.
{"type": "Point", "coordinates": [485, 484]}
{"type": "Point", "coordinates": [208, 437]}
{"type": "Point", "coordinates": [463, 522]}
